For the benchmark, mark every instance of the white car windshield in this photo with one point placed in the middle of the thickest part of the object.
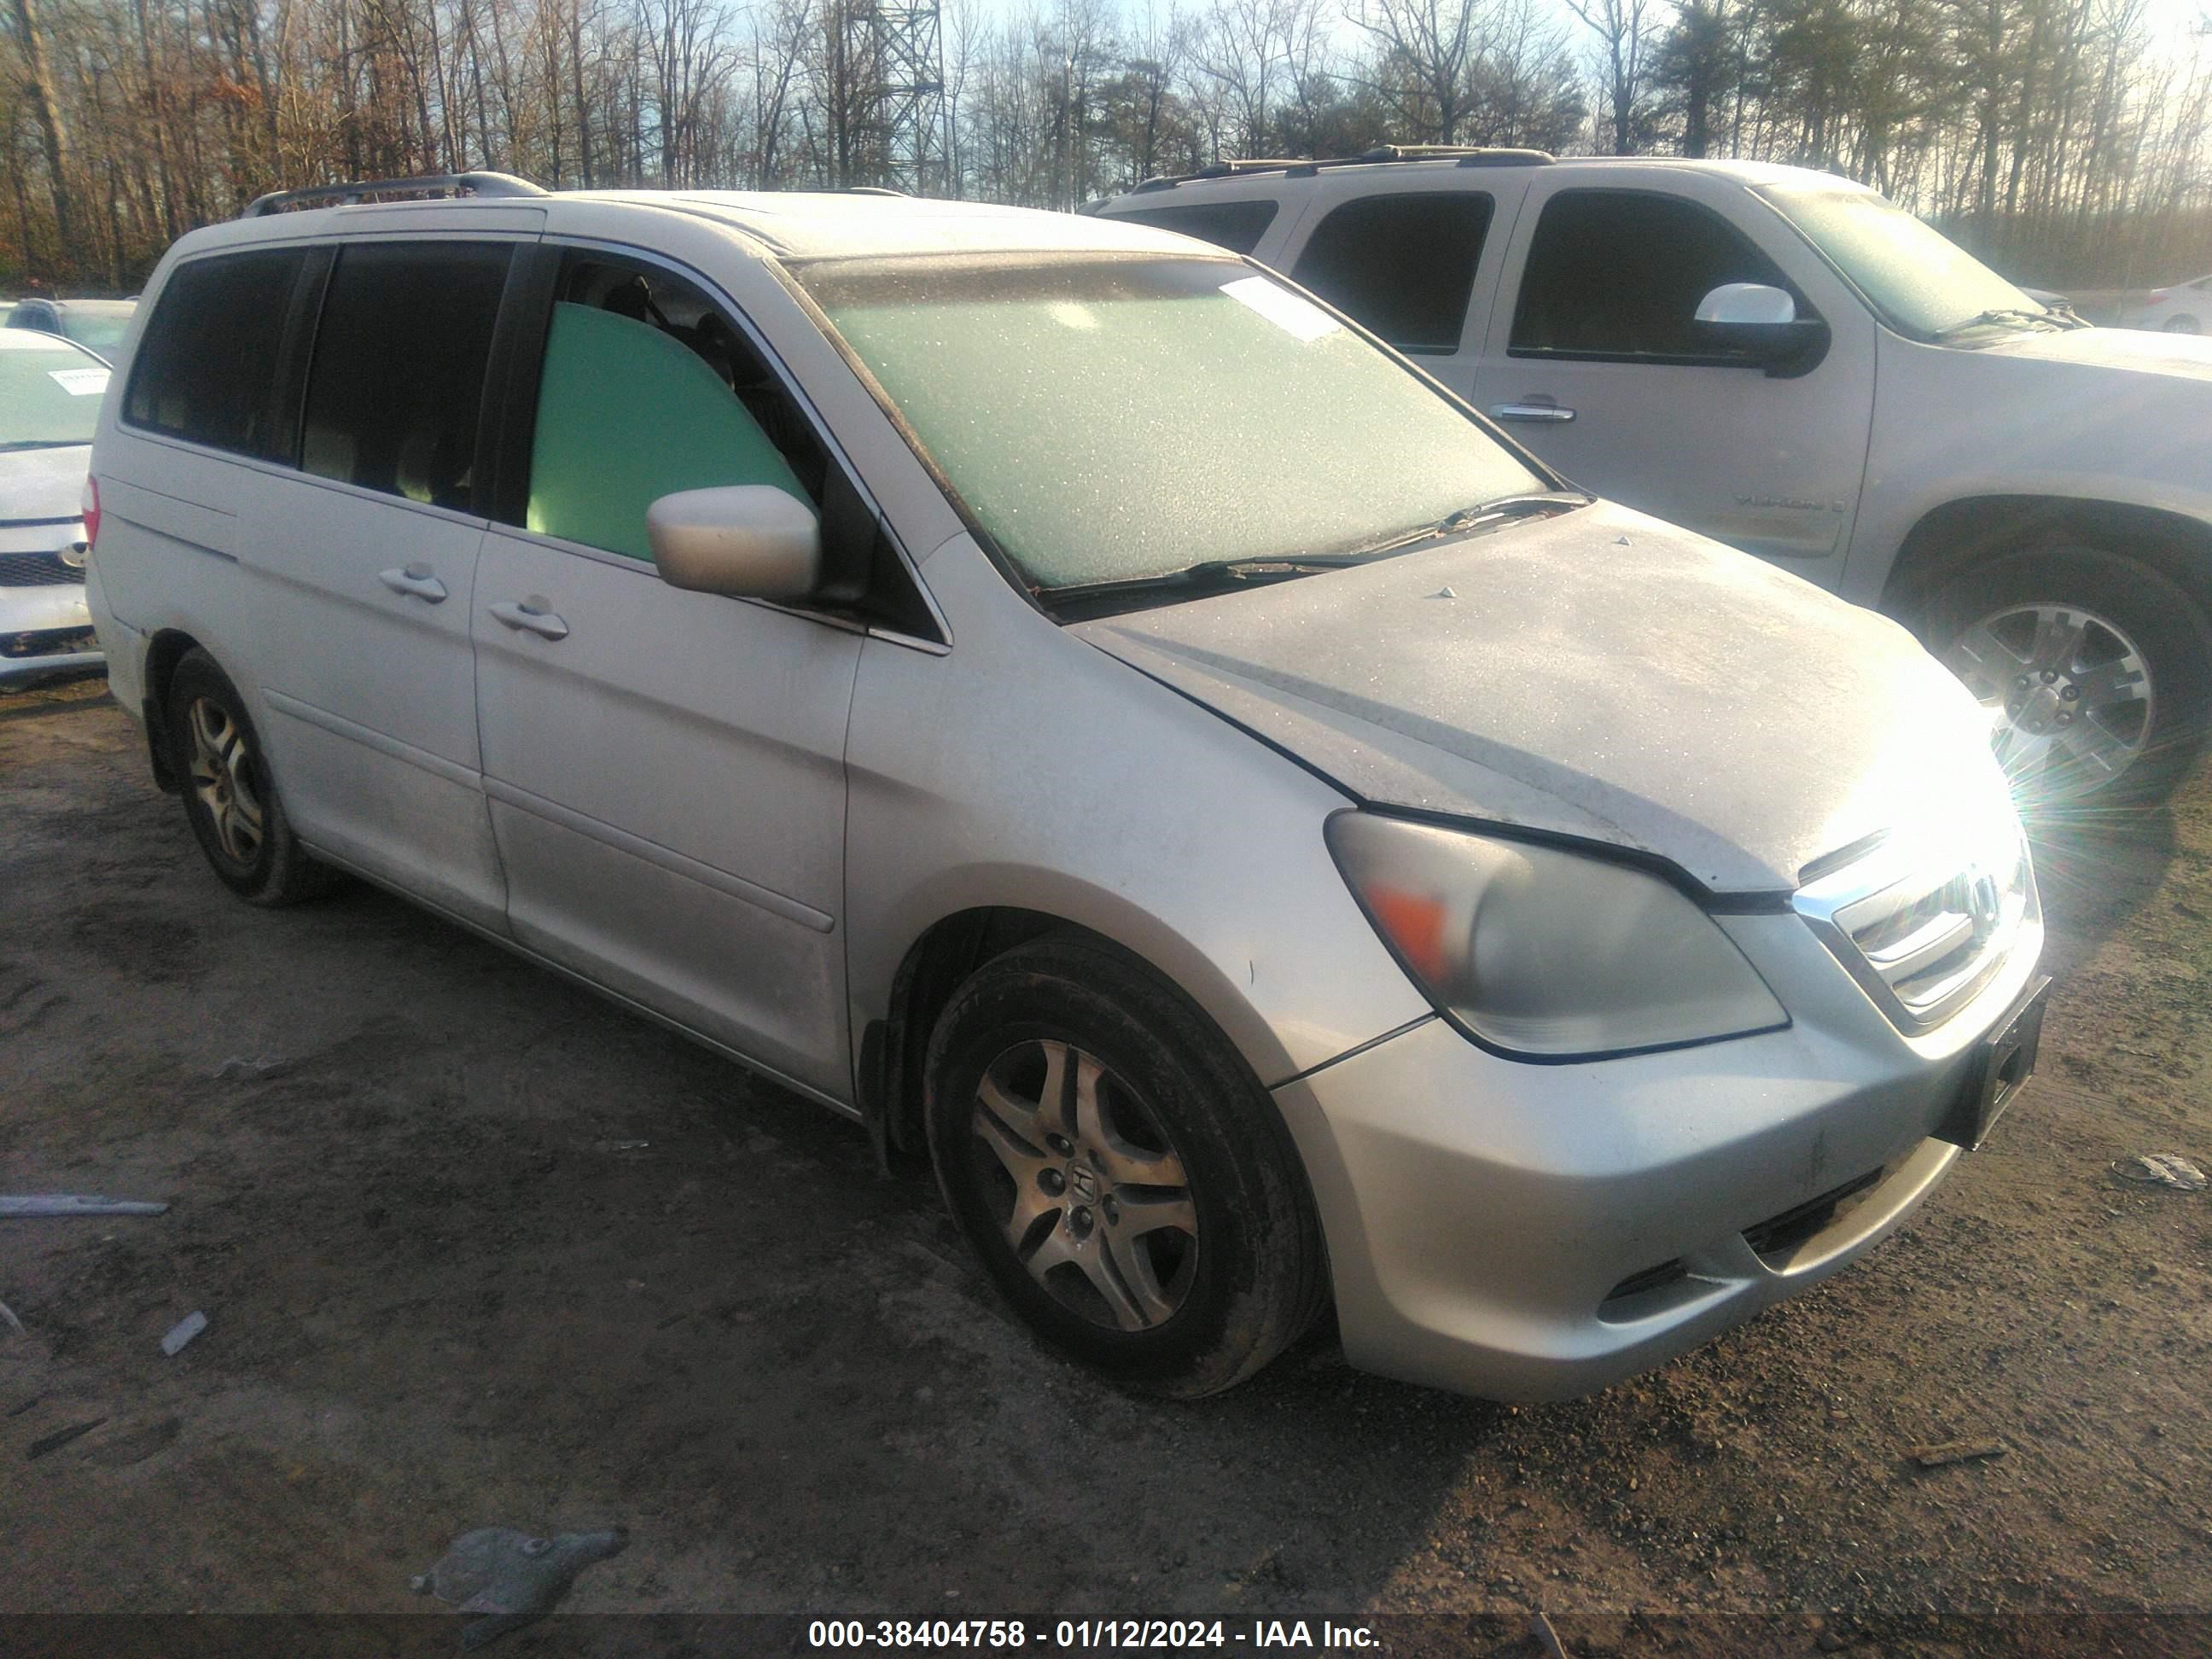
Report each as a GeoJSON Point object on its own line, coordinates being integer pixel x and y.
{"type": "Point", "coordinates": [49, 396]}
{"type": "Point", "coordinates": [1108, 418]}
{"type": "Point", "coordinates": [1917, 278]}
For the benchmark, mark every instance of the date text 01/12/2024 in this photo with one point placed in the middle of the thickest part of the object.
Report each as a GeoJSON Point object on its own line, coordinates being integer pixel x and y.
{"type": "Point", "coordinates": [1085, 1635]}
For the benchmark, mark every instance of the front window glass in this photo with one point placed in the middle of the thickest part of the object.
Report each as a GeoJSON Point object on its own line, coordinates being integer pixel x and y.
{"type": "Point", "coordinates": [48, 397]}
{"type": "Point", "coordinates": [1105, 419]}
{"type": "Point", "coordinates": [1619, 274]}
{"type": "Point", "coordinates": [629, 411]}
{"type": "Point", "coordinates": [1914, 275]}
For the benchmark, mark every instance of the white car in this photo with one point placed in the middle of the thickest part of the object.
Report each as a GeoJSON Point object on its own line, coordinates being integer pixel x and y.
{"type": "Point", "coordinates": [1047, 691]}
{"type": "Point", "coordinates": [1784, 361]}
{"type": "Point", "coordinates": [2181, 308]}
{"type": "Point", "coordinates": [50, 393]}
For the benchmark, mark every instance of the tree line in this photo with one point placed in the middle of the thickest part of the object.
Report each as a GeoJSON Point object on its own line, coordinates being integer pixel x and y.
{"type": "Point", "coordinates": [2062, 138]}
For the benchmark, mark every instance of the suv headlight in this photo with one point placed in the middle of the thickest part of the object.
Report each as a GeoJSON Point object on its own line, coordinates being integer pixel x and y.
{"type": "Point", "coordinates": [1547, 953]}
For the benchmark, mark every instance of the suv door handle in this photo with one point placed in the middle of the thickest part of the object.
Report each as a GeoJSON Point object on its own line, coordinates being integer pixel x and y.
{"type": "Point", "coordinates": [415, 580]}
{"type": "Point", "coordinates": [1552, 413]}
{"type": "Point", "coordinates": [532, 615]}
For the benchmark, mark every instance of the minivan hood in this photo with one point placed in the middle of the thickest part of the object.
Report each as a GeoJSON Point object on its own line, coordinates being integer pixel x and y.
{"type": "Point", "coordinates": [39, 485]}
{"type": "Point", "coordinates": [1599, 675]}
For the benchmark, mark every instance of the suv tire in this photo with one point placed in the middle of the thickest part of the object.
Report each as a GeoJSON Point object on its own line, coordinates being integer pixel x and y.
{"type": "Point", "coordinates": [2122, 612]}
{"type": "Point", "coordinates": [1125, 1181]}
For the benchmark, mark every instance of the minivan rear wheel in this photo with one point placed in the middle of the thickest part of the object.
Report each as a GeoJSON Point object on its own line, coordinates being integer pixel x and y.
{"type": "Point", "coordinates": [1122, 1176]}
{"type": "Point", "coordinates": [231, 797]}
{"type": "Point", "coordinates": [2097, 670]}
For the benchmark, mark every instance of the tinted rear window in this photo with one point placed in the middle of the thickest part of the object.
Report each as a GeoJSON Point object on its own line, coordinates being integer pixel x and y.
{"type": "Point", "coordinates": [206, 370]}
{"type": "Point", "coordinates": [398, 372]}
{"type": "Point", "coordinates": [1236, 225]}
{"type": "Point", "coordinates": [1402, 264]}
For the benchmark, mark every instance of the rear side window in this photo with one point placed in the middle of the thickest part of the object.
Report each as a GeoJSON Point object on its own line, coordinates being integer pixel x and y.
{"type": "Point", "coordinates": [1404, 265]}
{"type": "Point", "coordinates": [1618, 273]}
{"type": "Point", "coordinates": [1236, 225]}
{"type": "Point", "coordinates": [398, 374]}
{"type": "Point", "coordinates": [206, 369]}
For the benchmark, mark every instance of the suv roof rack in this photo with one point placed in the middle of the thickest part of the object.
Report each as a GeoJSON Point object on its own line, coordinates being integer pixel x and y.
{"type": "Point", "coordinates": [1467, 155]}
{"type": "Point", "coordinates": [427, 184]}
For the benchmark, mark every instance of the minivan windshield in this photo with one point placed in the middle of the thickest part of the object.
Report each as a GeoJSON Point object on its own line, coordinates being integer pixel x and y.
{"type": "Point", "coordinates": [1917, 278]}
{"type": "Point", "coordinates": [1110, 418]}
{"type": "Point", "coordinates": [49, 396]}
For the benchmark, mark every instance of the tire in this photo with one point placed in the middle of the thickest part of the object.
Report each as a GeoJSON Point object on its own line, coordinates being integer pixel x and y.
{"type": "Point", "coordinates": [230, 795]}
{"type": "Point", "coordinates": [2135, 682]}
{"type": "Point", "coordinates": [1158, 1119]}
{"type": "Point", "coordinates": [2180, 326]}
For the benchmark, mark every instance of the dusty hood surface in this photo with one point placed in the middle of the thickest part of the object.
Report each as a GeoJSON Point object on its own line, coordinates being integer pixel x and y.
{"type": "Point", "coordinates": [2134, 349]}
{"type": "Point", "coordinates": [39, 484]}
{"type": "Point", "coordinates": [1600, 675]}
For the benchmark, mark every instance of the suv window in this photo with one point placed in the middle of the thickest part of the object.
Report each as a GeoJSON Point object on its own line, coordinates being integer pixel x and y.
{"type": "Point", "coordinates": [645, 389]}
{"type": "Point", "coordinates": [1618, 273]}
{"type": "Point", "coordinates": [206, 369]}
{"type": "Point", "coordinates": [1236, 225]}
{"type": "Point", "coordinates": [397, 380]}
{"type": "Point", "coordinates": [1402, 264]}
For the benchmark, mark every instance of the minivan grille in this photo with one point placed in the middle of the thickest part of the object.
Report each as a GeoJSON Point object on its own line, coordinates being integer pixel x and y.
{"type": "Point", "coordinates": [1922, 929]}
{"type": "Point", "coordinates": [38, 571]}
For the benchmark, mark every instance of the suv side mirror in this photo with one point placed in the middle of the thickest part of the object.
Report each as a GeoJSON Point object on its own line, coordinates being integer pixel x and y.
{"type": "Point", "coordinates": [1761, 323]}
{"type": "Point", "coordinates": [750, 541]}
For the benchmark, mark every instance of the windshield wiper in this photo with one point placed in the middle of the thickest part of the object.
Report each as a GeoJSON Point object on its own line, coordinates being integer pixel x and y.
{"type": "Point", "coordinates": [1209, 573]}
{"type": "Point", "coordinates": [1231, 573]}
{"type": "Point", "coordinates": [2004, 316]}
{"type": "Point", "coordinates": [1540, 503]}
{"type": "Point", "coordinates": [9, 446]}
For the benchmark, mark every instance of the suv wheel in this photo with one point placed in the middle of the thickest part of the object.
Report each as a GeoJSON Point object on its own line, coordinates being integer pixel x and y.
{"type": "Point", "coordinates": [2097, 670]}
{"type": "Point", "coordinates": [231, 799]}
{"type": "Point", "coordinates": [1124, 1180]}
{"type": "Point", "coordinates": [2181, 326]}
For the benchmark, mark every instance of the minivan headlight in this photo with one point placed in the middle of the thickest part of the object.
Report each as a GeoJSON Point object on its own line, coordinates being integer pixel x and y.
{"type": "Point", "coordinates": [1545, 953]}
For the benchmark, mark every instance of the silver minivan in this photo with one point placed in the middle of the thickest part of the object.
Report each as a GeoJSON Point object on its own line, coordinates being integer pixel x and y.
{"type": "Point", "coordinates": [1053, 692]}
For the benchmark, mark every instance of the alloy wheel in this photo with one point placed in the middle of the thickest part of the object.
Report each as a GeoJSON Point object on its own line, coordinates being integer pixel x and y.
{"type": "Point", "coordinates": [1093, 1199]}
{"type": "Point", "coordinates": [224, 777]}
{"type": "Point", "coordinates": [2069, 695]}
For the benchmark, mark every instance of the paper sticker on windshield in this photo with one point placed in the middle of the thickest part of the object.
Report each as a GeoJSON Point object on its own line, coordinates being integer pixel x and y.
{"type": "Point", "coordinates": [1299, 319]}
{"type": "Point", "coordinates": [80, 382]}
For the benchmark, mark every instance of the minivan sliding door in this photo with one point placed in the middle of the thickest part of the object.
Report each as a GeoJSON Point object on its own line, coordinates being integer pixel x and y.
{"type": "Point", "coordinates": [368, 555]}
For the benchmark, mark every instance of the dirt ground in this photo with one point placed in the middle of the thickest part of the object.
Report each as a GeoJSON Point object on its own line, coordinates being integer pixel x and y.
{"type": "Point", "coordinates": [480, 1249]}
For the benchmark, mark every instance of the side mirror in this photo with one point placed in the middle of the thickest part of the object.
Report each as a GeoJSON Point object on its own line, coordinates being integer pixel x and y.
{"type": "Point", "coordinates": [750, 541]}
{"type": "Point", "coordinates": [1760, 324]}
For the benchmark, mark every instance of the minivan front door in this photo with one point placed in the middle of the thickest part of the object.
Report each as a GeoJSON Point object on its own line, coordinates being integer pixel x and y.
{"type": "Point", "coordinates": [665, 769]}
{"type": "Point", "coordinates": [1594, 361]}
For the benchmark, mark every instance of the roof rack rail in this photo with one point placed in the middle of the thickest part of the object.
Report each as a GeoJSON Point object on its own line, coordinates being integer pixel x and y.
{"type": "Point", "coordinates": [427, 184]}
{"type": "Point", "coordinates": [1467, 155]}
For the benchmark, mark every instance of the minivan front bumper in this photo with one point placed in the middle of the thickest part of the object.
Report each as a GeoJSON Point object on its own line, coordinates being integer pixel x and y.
{"type": "Point", "coordinates": [1536, 1232]}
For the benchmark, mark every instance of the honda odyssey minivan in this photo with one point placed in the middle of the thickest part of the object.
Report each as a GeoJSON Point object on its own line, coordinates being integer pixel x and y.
{"type": "Point", "coordinates": [1052, 691]}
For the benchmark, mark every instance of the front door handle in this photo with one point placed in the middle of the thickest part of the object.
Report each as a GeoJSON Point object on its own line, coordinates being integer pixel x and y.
{"type": "Point", "coordinates": [1551, 414]}
{"type": "Point", "coordinates": [415, 581]}
{"type": "Point", "coordinates": [530, 613]}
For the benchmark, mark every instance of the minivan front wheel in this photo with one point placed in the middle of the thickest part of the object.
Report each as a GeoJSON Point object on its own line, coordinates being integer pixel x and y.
{"type": "Point", "coordinates": [231, 799]}
{"type": "Point", "coordinates": [2096, 670]}
{"type": "Point", "coordinates": [1122, 1176]}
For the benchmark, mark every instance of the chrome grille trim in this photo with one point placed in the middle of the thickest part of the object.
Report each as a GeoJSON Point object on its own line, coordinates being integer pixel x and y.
{"type": "Point", "coordinates": [1922, 927]}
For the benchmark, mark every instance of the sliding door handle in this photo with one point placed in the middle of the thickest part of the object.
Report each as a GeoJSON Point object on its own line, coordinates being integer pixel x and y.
{"type": "Point", "coordinates": [532, 615]}
{"type": "Point", "coordinates": [1547, 414]}
{"type": "Point", "coordinates": [415, 581]}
